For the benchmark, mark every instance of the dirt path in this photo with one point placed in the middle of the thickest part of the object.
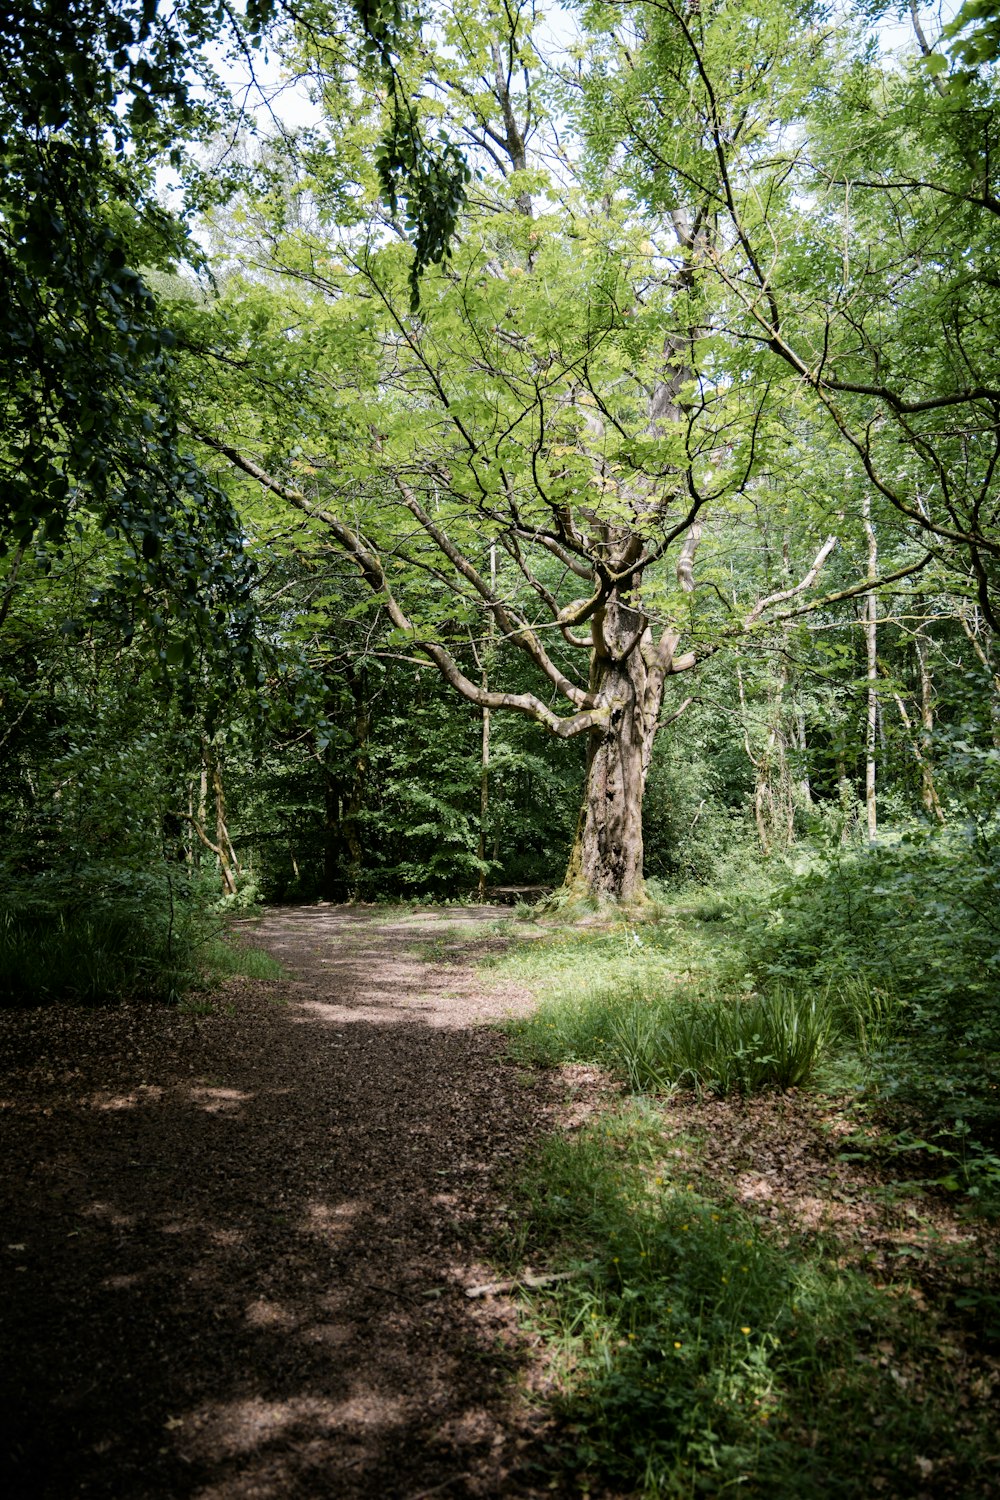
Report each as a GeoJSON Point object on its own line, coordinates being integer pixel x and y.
{"type": "Point", "coordinates": [235, 1247]}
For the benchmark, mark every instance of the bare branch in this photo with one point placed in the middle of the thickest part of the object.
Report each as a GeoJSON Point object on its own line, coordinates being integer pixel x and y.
{"type": "Point", "coordinates": [799, 588]}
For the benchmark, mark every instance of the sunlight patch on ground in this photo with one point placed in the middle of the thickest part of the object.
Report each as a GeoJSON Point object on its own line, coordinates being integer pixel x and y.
{"type": "Point", "coordinates": [215, 1101]}
{"type": "Point", "coordinates": [264, 1314]}
{"type": "Point", "coordinates": [328, 1222]}
{"type": "Point", "coordinates": [241, 1427]}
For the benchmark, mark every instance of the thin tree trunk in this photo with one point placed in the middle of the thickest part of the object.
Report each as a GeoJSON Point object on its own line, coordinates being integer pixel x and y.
{"type": "Point", "coordinates": [193, 851]}
{"type": "Point", "coordinates": [802, 745]}
{"type": "Point", "coordinates": [930, 796]}
{"type": "Point", "coordinates": [343, 854]}
{"type": "Point", "coordinates": [928, 793]}
{"type": "Point", "coordinates": [7, 597]}
{"type": "Point", "coordinates": [871, 648]}
{"type": "Point", "coordinates": [484, 774]}
{"type": "Point", "coordinates": [333, 888]}
{"type": "Point", "coordinates": [359, 782]}
{"type": "Point", "coordinates": [774, 806]}
{"type": "Point", "coordinates": [229, 866]}
{"type": "Point", "coordinates": [484, 798]}
{"type": "Point", "coordinates": [985, 656]}
{"type": "Point", "coordinates": [228, 884]}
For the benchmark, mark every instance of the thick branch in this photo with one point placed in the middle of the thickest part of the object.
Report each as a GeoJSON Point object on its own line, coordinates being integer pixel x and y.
{"type": "Point", "coordinates": [371, 571]}
{"type": "Point", "coordinates": [799, 588]}
{"type": "Point", "coordinates": [854, 590]}
{"type": "Point", "coordinates": [518, 631]}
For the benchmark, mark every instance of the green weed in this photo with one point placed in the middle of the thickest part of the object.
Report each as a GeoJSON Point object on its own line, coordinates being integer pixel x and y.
{"type": "Point", "coordinates": [221, 957]}
{"type": "Point", "coordinates": [697, 1355]}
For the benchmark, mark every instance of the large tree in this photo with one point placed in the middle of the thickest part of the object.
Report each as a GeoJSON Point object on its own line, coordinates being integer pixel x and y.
{"type": "Point", "coordinates": [537, 454]}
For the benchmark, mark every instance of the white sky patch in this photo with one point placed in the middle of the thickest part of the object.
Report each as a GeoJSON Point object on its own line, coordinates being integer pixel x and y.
{"type": "Point", "coordinates": [270, 94]}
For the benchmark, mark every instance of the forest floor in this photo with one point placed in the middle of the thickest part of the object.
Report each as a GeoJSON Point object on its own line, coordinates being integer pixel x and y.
{"type": "Point", "coordinates": [238, 1237]}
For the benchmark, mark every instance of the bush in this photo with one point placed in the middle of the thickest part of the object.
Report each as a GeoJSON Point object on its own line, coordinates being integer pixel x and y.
{"type": "Point", "coordinates": [100, 935]}
{"type": "Point", "coordinates": [905, 938]}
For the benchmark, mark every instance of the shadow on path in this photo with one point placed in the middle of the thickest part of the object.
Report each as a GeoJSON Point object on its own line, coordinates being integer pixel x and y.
{"type": "Point", "coordinates": [235, 1248]}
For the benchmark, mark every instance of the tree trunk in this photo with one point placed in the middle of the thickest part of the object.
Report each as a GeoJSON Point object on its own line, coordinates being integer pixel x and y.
{"type": "Point", "coordinates": [774, 802]}
{"type": "Point", "coordinates": [928, 792]}
{"type": "Point", "coordinates": [343, 855]}
{"type": "Point", "coordinates": [484, 765]}
{"type": "Point", "coordinates": [606, 861]}
{"type": "Point", "coordinates": [871, 656]}
{"type": "Point", "coordinates": [484, 796]}
{"type": "Point", "coordinates": [222, 848]}
{"type": "Point", "coordinates": [802, 745]}
{"type": "Point", "coordinates": [333, 881]}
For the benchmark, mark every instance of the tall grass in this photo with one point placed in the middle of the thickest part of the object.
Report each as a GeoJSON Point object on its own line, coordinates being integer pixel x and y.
{"type": "Point", "coordinates": [107, 934]}
{"type": "Point", "coordinates": [727, 1044]}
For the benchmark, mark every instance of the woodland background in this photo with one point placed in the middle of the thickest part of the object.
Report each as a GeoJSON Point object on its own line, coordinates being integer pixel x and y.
{"type": "Point", "coordinates": [557, 453]}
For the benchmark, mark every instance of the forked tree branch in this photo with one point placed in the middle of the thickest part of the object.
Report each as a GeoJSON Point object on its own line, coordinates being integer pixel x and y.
{"type": "Point", "coordinates": [370, 567]}
{"type": "Point", "coordinates": [799, 588]}
{"type": "Point", "coordinates": [514, 627]}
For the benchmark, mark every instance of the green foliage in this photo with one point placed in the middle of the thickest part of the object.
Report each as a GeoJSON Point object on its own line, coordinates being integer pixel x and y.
{"type": "Point", "coordinates": [973, 34]}
{"type": "Point", "coordinates": [105, 933]}
{"type": "Point", "coordinates": [108, 932]}
{"type": "Point", "coordinates": [695, 823]}
{"type": "Point", "coordinates": [696, 1354]}
{"type": "Point", "coordinates": [873, 969]}
{"type": "Point", "coordinates": [916, 917]}
{"type": "Point", "coordinates": [93, 90]}
{"type": "Point", "coordinates": [725, 1045]}
{"type": "Point", "coordinates": [430, 179]}
{"type": "Point", "coordinates": [905, 939]}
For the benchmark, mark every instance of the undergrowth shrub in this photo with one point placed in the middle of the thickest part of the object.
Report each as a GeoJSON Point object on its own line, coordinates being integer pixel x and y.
{"type": "Point", "coordinates": [98, 935]}
{"type": "Point", "coordinates": [905, 938]}
{"type": "Point", "coordinates": [918, 918]}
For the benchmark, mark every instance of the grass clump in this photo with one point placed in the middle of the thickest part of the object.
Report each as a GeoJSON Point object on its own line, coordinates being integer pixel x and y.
{"type": "Point", "coordinates": [742, 1044]}
{"type": "Point", "coordinates": [650, 1007]}
{"type": "Point", "coordinates": [871, 970]}
{"type": "Point", "coordinates": [222, 959]}
{"type": "Point", "coordinates": [697, 1355]}
{"type": "Point", "coordinates": [905, 938]}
